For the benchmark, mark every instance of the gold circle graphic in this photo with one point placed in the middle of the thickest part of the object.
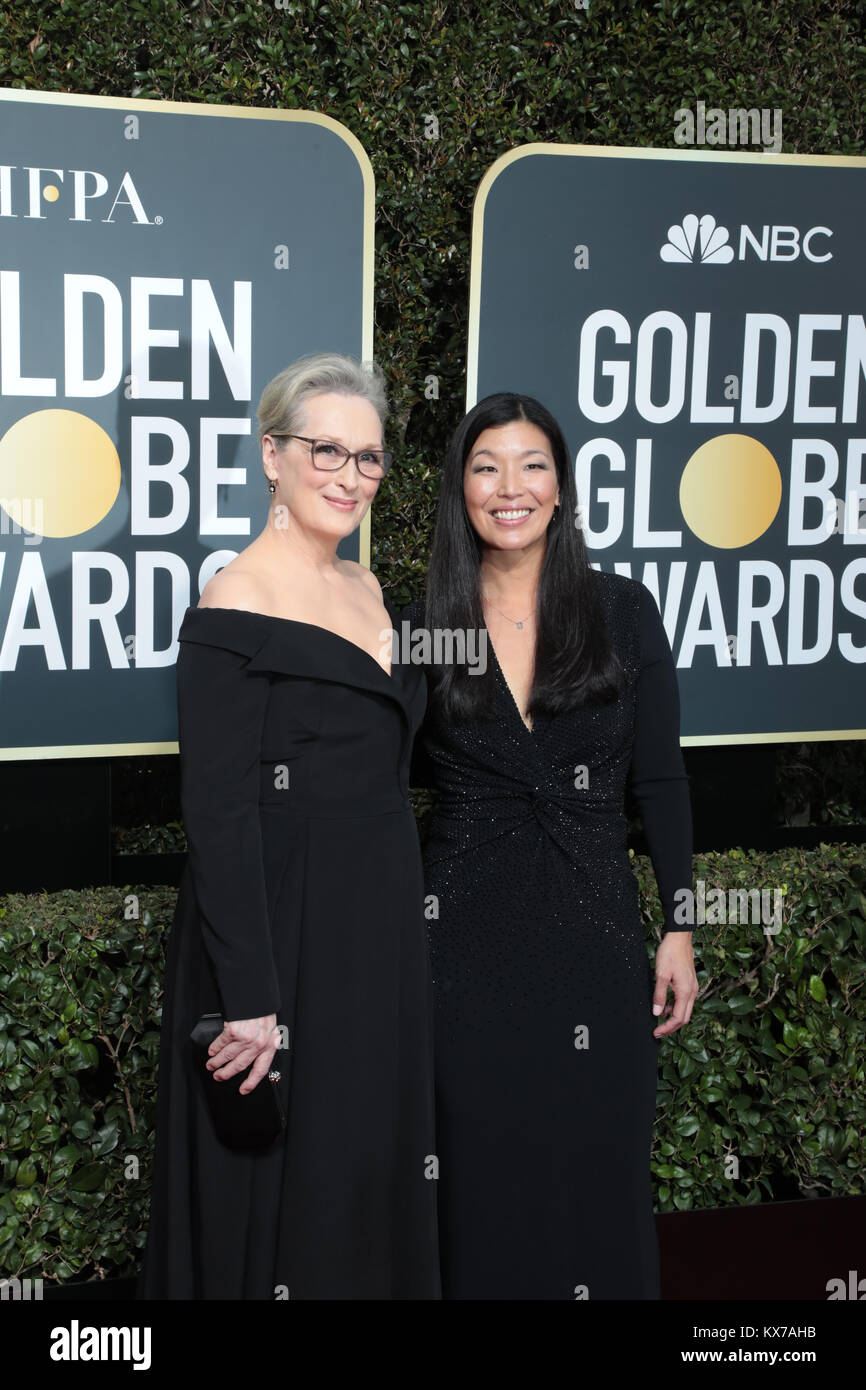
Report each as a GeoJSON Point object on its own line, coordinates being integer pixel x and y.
{"type": "Point", "coordinates": [51, 192]}
{"type": "Point", "coordinates": [730, 490]}
{"type": "Point", "coordinates": [59, 473]}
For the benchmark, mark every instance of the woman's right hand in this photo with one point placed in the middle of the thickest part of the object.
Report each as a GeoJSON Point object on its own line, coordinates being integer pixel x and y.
{"type": "Point", "coordinates": [244, 1041]}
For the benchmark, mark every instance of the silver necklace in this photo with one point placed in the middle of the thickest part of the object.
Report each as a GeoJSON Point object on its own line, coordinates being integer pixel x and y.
{"type": "Point", "coordinates": [511, 620]}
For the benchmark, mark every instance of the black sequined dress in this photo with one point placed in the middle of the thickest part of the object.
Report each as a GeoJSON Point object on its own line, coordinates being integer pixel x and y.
{"type": "Point", "coordinates": [545, 1058]}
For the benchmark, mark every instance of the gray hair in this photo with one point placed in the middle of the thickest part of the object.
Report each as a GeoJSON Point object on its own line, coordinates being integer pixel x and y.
{"type": "Point", "coordinates": [283, 399]}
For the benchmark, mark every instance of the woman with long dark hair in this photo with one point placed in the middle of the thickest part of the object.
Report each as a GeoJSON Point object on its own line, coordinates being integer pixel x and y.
{"type": "Point", "coordinates": [546, 1052]}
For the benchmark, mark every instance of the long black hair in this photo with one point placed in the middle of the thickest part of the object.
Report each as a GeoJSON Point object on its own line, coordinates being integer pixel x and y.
{"type": "Point", "coordinates": [574, 659]}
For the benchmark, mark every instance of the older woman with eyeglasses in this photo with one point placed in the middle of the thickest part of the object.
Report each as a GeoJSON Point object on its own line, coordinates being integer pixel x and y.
{"type": "Point", "coordinates": [300, 918]}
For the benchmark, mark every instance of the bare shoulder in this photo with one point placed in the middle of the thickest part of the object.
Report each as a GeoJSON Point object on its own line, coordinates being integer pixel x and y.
{"type": "Point", "coordinates": [235, 588]}
{"type": "Point", "coordinates": [353, 570]}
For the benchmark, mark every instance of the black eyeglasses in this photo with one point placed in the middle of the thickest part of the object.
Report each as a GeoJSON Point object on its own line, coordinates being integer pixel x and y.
{"type": "Point", "coordinates": [373, 463]}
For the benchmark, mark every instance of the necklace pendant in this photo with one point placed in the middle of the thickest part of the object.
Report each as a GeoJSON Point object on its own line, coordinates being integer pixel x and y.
{"type": "Point", "coordinates": [520, 624]}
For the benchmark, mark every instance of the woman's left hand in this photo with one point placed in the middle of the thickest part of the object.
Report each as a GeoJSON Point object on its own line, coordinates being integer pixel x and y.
{"type": "Point", "coordinates": [675, 969]}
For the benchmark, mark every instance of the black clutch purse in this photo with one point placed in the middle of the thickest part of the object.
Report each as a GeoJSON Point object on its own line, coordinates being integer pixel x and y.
{"type": "Point", "coordinates": [252, 1121]}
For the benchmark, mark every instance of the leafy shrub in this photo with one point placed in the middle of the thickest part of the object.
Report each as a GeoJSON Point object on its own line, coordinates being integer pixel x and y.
{"type": "Point", "coordinates": [80, 991]}
{"type": "Point", "coordinates": [768, 1071]}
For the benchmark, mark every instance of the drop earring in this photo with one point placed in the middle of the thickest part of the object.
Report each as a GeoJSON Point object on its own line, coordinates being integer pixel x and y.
{"type": "Point", "coordinates": [272, 487]}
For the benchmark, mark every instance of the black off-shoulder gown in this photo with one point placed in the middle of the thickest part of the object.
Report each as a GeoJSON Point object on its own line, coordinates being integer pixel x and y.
{"type": "Point", "coordinates": [545, 1058]}
{"type": "Point", "coordinates": [303, 896]}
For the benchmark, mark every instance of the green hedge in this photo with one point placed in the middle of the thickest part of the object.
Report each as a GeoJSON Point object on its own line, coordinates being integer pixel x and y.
{"type": "Point", "coordinates": [80, 996]}
{"type": "Point", "coordinates": [769, 1071]}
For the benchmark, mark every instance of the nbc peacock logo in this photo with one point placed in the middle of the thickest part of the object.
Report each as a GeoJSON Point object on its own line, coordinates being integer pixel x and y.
{"type": "Point", "coordinates": [699, 239]}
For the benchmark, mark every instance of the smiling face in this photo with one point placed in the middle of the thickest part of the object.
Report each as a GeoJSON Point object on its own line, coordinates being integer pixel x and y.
{"type": "Point", "coordinates": [325, 503]}
{"type": "Point", "coordinates": [510, 485]}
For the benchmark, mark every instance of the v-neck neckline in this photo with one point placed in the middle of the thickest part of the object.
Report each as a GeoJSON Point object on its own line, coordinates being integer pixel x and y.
{"type": "Point", "coordinates": [297, 622]}
{"type": "Point", "coordinates": [529, 730]}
